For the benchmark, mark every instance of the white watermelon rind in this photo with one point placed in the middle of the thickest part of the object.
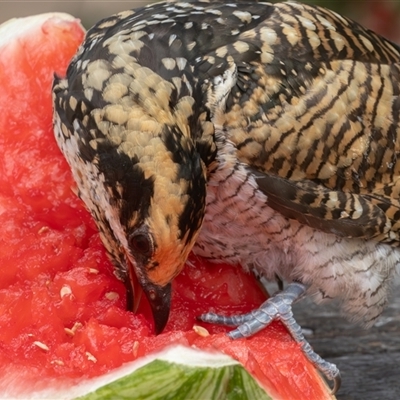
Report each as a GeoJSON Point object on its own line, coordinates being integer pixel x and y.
{"type": "Point", "coordinates": [20, 27]}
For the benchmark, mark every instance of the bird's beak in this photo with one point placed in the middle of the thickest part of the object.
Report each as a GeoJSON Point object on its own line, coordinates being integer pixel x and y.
{"type": "Point", "coordinates": [159, 298]}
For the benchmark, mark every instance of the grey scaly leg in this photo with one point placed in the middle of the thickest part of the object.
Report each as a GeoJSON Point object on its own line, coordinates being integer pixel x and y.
{"type": "Point", "coordinates": [277, 307]}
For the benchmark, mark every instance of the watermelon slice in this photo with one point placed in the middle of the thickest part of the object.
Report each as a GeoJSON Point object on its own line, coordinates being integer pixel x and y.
{"type": "Point", "coordinates": [62, 310]}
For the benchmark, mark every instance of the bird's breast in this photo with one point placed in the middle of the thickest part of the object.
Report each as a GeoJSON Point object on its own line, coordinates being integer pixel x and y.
{"type": "Point", "coordinates": [240, 228]}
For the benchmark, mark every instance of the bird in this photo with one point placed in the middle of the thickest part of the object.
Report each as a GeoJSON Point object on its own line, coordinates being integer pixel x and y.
{"type": "Point", "coordinates": [261, 135]}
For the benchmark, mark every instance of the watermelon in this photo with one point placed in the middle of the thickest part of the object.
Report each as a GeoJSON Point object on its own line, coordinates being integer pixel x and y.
{"type": "Point", "coordinates": [63, 312]}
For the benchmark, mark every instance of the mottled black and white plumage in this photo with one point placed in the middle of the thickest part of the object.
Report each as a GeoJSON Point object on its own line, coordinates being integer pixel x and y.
{"type": "Point", "coordinates": [260, 134]}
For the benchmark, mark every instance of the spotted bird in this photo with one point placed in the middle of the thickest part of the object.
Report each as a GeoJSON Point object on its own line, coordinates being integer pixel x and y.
{"type": "Point", "coordinates": [263, 135]}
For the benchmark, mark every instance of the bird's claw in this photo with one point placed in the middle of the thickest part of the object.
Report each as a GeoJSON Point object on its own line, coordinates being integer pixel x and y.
{"type": "Point", "coordinates": [278, 307]}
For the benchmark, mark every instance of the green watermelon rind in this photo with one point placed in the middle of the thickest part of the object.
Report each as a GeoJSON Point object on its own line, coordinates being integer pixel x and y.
{"type": "Point", "coordinates": [182, 373]}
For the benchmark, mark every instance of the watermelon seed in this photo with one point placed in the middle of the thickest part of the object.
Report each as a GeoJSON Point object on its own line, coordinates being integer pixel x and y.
{"type": "Point", "coordinates": [65, 291]}
{"type": "Point", "coordinates": [203, 332]}
{"type": "Point", "coordinates": [91, 357]}
{"type": "Point", "coordinates": [77, 325]}
{"type": "Point", "coordinates": [72, 331]}
{"type": "Point", "coordinates": [43, 229]}
{"type": "Point", "coordinates": [112, 296]}
{"type": "Point", "coordinates": [135, 348]}
{"type": "Point", "coordinates": [41, 345]}
{"type": "Point", "coordinates": [69, 332]}
{"type": "Point", "coordinates": [93, 271]}
{"type": "Point", "coordinates": [57, 362]}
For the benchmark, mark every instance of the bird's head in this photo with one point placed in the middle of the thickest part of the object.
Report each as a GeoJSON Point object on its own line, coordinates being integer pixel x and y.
{"type": "Point", "coordinates": [145, 185]}
{"type": "Point", "coordinates": [129, 139]}
{"type": "Point", "coordinates": [149, 200]}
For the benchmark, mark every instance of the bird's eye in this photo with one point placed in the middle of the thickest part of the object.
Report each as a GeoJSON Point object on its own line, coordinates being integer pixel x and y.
{"type": "Point", "coordinates": [141, 243]}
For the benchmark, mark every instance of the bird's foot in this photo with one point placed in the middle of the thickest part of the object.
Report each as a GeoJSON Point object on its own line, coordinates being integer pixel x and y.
{"type": "Point", "coordinates": [277, 307]}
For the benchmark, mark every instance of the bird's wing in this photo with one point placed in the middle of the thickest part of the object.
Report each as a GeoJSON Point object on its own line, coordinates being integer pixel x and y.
{"type": "Point", "coordinates": [315, 114]}
{"type": "Point", "coordinates": [342, 213]}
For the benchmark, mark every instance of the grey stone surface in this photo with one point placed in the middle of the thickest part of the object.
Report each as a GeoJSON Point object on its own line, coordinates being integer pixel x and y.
{"type": "Point", "coordinates": [369, 360]}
